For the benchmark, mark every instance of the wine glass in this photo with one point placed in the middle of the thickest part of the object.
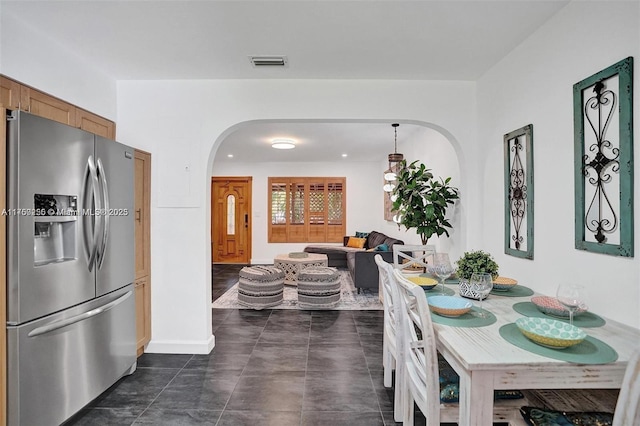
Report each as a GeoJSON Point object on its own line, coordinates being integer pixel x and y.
{"type": "Point", "coordinates": [571, 295]}
{"type": "Point", "coordinates": [441, 267]}
{"type": "Point", "coordinates": [481, 283]}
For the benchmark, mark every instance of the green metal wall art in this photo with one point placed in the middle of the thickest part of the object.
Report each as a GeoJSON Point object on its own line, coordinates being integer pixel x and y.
{"type": "Point", "coordinates": [603, 155]}
{"type": "Point", "coordinates": [518, 191]}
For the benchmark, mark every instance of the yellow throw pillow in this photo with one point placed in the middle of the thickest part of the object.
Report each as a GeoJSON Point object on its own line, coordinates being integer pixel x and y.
{"type": "Point", "coordinates": [356, 242]}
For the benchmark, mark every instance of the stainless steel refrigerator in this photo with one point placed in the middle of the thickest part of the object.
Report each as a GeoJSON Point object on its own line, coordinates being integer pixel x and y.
{"type": "Point", "coordinates": [70, 298]}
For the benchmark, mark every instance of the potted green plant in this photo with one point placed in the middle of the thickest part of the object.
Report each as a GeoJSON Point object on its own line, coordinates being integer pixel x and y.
{"type": "Point", "coordinates": [421, 201]}
{"type": "Point", "coordinates": [476, 262]}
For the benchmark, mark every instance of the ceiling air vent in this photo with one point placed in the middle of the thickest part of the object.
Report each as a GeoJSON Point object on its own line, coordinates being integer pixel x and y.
{"type": "Point", "coordinates": [268, 61]}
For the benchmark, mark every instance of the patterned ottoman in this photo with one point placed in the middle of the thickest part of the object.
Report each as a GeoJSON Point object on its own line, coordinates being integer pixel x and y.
{"type": "Point", "coordinates": [260, 287]}
{"type": "Point", "coordinates": [318, 287]}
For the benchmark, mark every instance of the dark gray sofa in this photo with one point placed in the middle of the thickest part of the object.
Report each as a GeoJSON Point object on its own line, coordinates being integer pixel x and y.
{"type": "Point", "coordinates": [362, 267]}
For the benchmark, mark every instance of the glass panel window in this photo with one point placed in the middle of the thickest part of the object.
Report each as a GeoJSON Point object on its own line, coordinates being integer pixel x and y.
{"type": "Point", "coordinates": [297, 203]}
{"type": "Point", "coordinates": [278, 203]}
{"type": "Point", "coordinates": [231, 214]}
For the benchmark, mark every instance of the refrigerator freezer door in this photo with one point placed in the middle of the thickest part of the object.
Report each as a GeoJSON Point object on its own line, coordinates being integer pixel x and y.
{"type": "Point", "coordinates": [58, 364]}
{"type": "Point", "coordinates": [47, 158]}
{"type": "Point", "coordinates": [116, 246]}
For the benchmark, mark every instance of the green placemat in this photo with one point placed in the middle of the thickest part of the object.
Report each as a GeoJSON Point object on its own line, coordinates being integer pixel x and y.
{"type": "Point", "coordinates": [516, 291]}
{"type": "Point", "coordinates": [585, 319]}
{"type": "Point", "coordinates": [447, 281]}
{"type": "Point", "coordinates": [589, 351]}
{"type": "Point", "coordinates": [438, 290]}
{"type": "Point", "coordinates": [470, 319]}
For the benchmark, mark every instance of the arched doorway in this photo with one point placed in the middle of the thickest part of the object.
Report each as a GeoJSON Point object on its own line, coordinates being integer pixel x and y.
{"type": "Point", "coordinates": [371, 144]}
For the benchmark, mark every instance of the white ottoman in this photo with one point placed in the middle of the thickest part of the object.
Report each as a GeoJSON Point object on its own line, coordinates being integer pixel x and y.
{"type": "Point", "coordinates": [318, 287]}
{"type": "Point", "coordinates": [260, 287]}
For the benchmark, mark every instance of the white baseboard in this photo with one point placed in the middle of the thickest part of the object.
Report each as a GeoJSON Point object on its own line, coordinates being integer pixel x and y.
{"type": "Point", "coordinates": [181, 346]}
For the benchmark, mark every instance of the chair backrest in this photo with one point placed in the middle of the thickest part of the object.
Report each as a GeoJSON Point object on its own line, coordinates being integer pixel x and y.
{"type": "Point", "coordinates": [388, 296]}
{"type": "Point", "coordinates": [628, 405]}
{"type": "Point", "coordinates": [419, 346]}
{"type": "Point", "coordinates": [405, 256]}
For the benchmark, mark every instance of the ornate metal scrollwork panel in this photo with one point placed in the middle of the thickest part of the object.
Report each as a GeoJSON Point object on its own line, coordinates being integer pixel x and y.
{"type": "Point", "coordinates": [518, 182]}
{"type": "Point", "coordinates": [603, 150]}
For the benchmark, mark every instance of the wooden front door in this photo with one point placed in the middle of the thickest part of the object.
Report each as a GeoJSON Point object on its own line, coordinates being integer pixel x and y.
{"type": "Point", "coordinates": [230, 219]}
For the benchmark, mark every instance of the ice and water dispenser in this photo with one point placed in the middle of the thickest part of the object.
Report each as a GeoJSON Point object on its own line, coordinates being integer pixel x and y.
{"type": "Point", "coordinates": [55, 228]}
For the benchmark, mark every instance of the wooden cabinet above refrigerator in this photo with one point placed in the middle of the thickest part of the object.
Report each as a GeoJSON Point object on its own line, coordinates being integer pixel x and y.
{"type": "Point", "coordinates": [15, 95]}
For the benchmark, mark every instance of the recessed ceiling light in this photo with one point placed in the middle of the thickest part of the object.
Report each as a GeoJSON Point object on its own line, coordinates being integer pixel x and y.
{"type": "Point", "coordinates": [282, 144]}
{"type": "Point", "coordinates": [344, 155]}
{"type": "Point", "coordinates": [230, 155]}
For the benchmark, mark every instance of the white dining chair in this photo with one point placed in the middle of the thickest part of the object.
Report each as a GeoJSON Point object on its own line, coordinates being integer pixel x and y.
{"type": "Point", "coordinates": [408, 256]}
{"type": "Point", "coordinates": [592, 405]}
{"type": "Point", "coordinates": [391, 355]}
{"type": "Point", "coordinates": [421, 370]}
{"type": "Point", "coordinates": [628, 406]}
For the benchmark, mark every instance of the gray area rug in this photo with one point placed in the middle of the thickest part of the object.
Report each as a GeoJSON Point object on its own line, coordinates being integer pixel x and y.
{"type": "Point", "coordinates": [349, 299]}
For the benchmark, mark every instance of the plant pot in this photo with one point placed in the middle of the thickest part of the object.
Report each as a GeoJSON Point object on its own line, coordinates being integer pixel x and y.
{"type": "Point", "coordinates": [467, 291]}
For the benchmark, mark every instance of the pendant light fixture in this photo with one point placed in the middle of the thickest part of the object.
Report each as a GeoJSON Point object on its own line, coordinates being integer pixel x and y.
{"type": "Point", "coordinates": [394, 158]}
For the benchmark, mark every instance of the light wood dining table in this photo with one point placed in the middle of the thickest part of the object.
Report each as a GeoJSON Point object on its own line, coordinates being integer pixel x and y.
{"type": "Point", "coordinates": [486, 362]}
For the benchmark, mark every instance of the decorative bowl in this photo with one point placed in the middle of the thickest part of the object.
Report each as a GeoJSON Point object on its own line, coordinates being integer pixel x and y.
{"type": "Point", "coordinates": [551, 306]}
{"type": "Point", "coordinates": [504, 283]}
{"type": "Point", "coordinates": [424, 282]}
{"type": "Point", "coordinates": [449, 306]}
{"type": "Point", "coordinates": [413, 269]}
{"type": "Point", "coordinates": [550, 333]}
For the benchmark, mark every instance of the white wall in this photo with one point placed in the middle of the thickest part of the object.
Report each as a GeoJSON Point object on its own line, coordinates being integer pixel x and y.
{"type": "Point", "coordinates": [533, 84]}
{"type": "Point", "coordinates": [31, 57]}
{"type": "Point", "coordinates": [182, 123]}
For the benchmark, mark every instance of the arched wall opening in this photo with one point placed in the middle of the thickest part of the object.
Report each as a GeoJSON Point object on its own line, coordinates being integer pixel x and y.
{"type": "Point", "coordinates": [185, 141]}
{"type": "Point", "coordinates": [426, 142]}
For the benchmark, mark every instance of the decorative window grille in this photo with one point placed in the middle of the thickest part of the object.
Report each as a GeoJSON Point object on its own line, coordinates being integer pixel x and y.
{"type": "Point", "coordinates": [603, 160]}
{"type": "Point", "coordinates": [518, 181]}
{"type": "Point", "coordinates": [335, 204]}
{"type": "Point", "coordinates": [306, 209]}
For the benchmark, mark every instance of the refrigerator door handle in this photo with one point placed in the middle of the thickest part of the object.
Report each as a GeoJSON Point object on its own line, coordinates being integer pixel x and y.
{"type": "Point", "coordinates": [56, 325]}
{"type": "Point", "coordinates": [106, 215]}
{"type": "Point", "coordinates": [90, 234]}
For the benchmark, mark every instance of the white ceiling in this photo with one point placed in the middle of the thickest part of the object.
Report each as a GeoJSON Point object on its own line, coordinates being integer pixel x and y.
{"type": "Point", "coordinates": [365, 39]}
{"type": "Point", "coordinates": [317, 141]}
{"type": "Point", "coordinates": [150, 40]}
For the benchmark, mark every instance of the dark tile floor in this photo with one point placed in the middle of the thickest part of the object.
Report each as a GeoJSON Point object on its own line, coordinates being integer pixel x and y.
{"type": "Point", "coordinates": [270, 367]}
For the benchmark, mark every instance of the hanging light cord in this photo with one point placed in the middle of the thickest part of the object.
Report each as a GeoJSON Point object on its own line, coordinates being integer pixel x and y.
{"type": "Point", "coordinates": [395, 140]}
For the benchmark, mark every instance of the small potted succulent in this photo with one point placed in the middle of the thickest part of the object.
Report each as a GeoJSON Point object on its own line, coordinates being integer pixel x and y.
{"type": "Point", "coordinates": [474, 262]}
